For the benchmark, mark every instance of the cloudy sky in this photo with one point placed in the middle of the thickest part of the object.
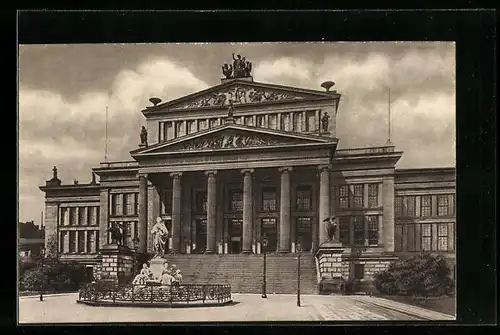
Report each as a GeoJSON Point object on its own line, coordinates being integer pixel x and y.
{"type": "Point", "coordinates": [64, 91]}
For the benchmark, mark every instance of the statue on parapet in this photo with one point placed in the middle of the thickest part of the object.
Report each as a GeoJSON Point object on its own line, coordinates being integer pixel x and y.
{"type": "Point", "coordinates": [227, 71]}
{"type": "Point", "coordinates": [144, 136]}
{"type": "Point", "coordinates": [324, 121]}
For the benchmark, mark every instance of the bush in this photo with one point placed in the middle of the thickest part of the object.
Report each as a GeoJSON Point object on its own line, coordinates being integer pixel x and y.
{"type": "Point", "coordinates": [56, 275]}
{"type": "Point", "coordinates": [422, 275]}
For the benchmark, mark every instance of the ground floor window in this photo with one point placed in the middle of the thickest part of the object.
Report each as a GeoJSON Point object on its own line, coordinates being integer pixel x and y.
{"type": "Point", "coordinates": [359, 229]}
{"type": "Point", "coordinates": [359, 271]}
{"type": "Point", "coordinates": [424, 236]}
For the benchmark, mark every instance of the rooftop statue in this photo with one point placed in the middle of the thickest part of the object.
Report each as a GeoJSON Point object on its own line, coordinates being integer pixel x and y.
{"type": "Point", "coordinates": [241, 68]}
{"type": "Point", "coordinates": [324, 121]}
{"type": "Point", "coordinates": [144, 136]}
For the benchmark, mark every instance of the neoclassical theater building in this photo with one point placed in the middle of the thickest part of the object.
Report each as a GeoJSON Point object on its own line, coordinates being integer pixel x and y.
{"type": "Point", "coordinates": [228, 165]}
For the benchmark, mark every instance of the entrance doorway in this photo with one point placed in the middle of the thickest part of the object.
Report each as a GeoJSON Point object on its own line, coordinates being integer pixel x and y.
{"type": "Point", "coordinates": [201, 236]}
{"type": "Point", "coordinates": [268, 228]}
{"type": "Point", "coordinates": [89, 272]}
{"type": "Point", "coordinates": [235, 233]}
{"type": "Point", "coordinates": [304, 234]}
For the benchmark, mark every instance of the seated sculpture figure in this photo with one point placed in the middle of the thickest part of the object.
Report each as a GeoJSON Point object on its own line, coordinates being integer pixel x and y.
{"type": "Point", "coordinates": [143, 276]}
{"type": "Point", "coordinates": [177, 277]}
{"type": "Point", "coordinates": [166, 275]}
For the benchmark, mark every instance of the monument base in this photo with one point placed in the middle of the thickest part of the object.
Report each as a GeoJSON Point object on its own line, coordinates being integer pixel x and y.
{"type": "Point", "coordinates": [156, 266]}
{"type": "Point", "coordinates": [329, 257]}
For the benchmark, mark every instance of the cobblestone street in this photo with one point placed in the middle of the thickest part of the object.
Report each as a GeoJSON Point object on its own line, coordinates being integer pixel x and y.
{"type": "Point", "coordinates": [246, 307]}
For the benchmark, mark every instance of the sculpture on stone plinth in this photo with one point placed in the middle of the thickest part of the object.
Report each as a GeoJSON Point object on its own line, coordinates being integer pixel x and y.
{"type": "Point", "coordinates": [331, 228]}
{"type": "Point", "coordinates": [144, 136]}
{"type": "Point", "coordinates": [160, 236]}
{"type": "Point", "coordinates": [54, 173]}
{"type": "Point", "coordinates": [324, 121]}
{"type": "Point", "coordinates": [227, 71]}
{"type": "Point", "coordinates": [230, 109]}
{"type": "Point", "coordinates": [116, 234]}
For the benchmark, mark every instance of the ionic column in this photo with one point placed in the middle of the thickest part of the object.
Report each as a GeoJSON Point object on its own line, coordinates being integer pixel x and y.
{"type": "Point", "coordinates": [247, 211]}
{"type": "Point", "coordinates": [284, 243]}
{"type": "Point", "coordinates": [324, 201]}
{"type": "Point", "coordinates": [388, 213]}
{"type": "Point", "coordinates": [211, 211]}
{"type": "Point", "coordinates": [176, 210]}
{"type": "Point", "coordinates": [143, 213]}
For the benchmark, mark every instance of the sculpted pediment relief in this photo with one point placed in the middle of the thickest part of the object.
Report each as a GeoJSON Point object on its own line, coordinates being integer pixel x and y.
{"type": "Point", "coordinates": [231, 139]}
{"type": "Point", "coordinates": [240, 94]}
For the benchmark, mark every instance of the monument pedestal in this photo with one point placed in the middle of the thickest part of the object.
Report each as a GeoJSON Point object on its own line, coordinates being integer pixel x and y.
{"type": "Point", "coordinates": [156, 267]}
{"type": "Point", "coordinates": [117, 262]}
{"type": "Point", "coordinates": [329, 256]}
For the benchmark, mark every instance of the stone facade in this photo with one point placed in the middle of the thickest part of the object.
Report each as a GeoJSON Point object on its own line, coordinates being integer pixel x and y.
{"type": "Point", "coordinates": [223, 183]}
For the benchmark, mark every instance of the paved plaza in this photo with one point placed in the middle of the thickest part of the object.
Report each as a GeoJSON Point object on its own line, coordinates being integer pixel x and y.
{"type": "Point", "coordinates": [247, 307]}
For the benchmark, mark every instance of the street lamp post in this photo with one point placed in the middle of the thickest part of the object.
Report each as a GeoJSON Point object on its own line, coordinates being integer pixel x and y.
{"type": "Point", "coordinates": [42, 281]}
{"type": "Point", "coordinates": [135, 242]}
{"type": "Point", "coordinates": [264, 289]}
{"type": "Point", "coordinates": [299, 250]}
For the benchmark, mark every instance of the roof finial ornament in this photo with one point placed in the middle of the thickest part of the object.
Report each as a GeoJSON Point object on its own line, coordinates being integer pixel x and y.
{"type": "Point", "coordinates": [54, 173]}
{"type": "Point", "coordinates": [327, 85]}
{"type": "Point", "coordinates": [155, 101]}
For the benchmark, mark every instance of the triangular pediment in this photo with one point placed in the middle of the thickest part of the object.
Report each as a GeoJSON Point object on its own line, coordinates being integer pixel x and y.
{"type": "Point", "coordinates": [242, 93]}
{"type": "Point", "coordinates": [232, 137]}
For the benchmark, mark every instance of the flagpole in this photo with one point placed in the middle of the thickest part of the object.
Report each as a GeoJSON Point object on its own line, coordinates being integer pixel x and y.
{"type": "Point", "coordinates": [106, 138]}
{"type": "Point", "coordinates": [389, 117]}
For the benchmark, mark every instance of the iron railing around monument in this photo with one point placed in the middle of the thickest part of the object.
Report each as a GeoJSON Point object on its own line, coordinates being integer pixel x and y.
{"type": "Point", "coordinates": [130, 293]}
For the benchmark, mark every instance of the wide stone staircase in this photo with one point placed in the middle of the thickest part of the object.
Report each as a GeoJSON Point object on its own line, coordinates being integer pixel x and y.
{"type": "Point", "coordinates": [244, 271]}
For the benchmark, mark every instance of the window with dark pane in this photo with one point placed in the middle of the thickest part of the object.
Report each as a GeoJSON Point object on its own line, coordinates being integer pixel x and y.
{"type": "Point", "coordinates": [201, 202]}
{"type": "Point", "coordinates": [236, 201]}
{"type": "Point", "coordinates": [269, 199]}
{"type": "Point", "coordinates": [344, 229]}
{"type": "Point", "coordinates": [359, 230]}
{"type": "Point", "coordinates": [443, 209]}
{"type": "Point", "coordinates": [372, 195]}
{"type": "Point", "coordinates": [426, 205]}
{"type": "Point", "coordinates": [409, 206]}
{"type": "Point", "coordinates": [443, 236]}
{"type": "Point", "coordinates": [72, 216]}
{"type": "Point", "coordinates": [358, 196]}
{"type": "Point", "coordinates": [260, 120]}
{"type": "Point", "coordinates": [81, 241]}
{"type": "Point", "coordinates": [166, 201]}
{"type": "Point", "coordinates": [398, 206]}
{"type": "Point", "coordinates": [72, 241]}
{"type": "Point", "coordinates": [426, 231]}
{"type": "Point", "coordinates": [398, 237]}
{"type": "Point", "coordinates": [344, 196]}
{"type": "Point", "coordinates": [304, 198]}
{"type": "Point", "coordinates": [295, 121]}
{"type": "Point", "coordinates": [372, 229]}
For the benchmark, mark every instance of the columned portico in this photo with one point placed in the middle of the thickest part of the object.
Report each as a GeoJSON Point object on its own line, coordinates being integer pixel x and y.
{"type": "Point", "coordinates": [247, 211]}
{"type": "Point", "coordinates": [324, 201]}
{"type": "Point", "coordinates": [176, 210]}
{"type": "Point", "coordinates": [143, 213]}
{"type": "Point", "coordinates": [284, 242]}
{"type": "Point", "coordinates": [211, 211]}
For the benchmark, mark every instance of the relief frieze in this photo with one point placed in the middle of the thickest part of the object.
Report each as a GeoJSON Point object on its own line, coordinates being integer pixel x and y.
{"type": "Point", "coordinates": [239, 95]}
{"type": "Point", "coordinates": [231, 141]}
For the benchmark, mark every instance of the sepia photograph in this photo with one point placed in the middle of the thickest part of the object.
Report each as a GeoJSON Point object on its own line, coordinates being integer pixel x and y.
{"type": "Point", "coordinates": [236, 182]}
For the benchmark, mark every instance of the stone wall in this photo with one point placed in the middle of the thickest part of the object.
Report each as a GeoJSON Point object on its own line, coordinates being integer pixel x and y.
{"type": "Point", "coordinates": [330, 265]}
{"type": "Point", "coordinates": [117, 263]}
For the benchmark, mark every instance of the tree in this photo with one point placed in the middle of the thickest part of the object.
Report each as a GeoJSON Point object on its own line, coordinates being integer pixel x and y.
{"type": "Point", "coordinates": [422, 275]}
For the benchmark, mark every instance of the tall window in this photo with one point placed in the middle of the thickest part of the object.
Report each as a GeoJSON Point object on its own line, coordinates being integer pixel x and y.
{"type": "Point", "coordinates": [309, 121]}
{"type": "Point", "coordinates": [130, 204]}
{"type": "Point", "coordinates": [358, 196]}
{"type": "Point", "coordinates": [443, 209]}
{"type": "Point", "coordinates": [344, 229]}
{"type": "Point", "coordinates": [295, 121]}
{"type": "Point", "coordinates": [344, 196]}
{"type": "Point", "coordinates": [90, 240]}
{"type": "Point", "coordinates": [409, 206]}
{"type": "Point", "coordinates": [72, 216]}
{"type": "Point", "coordinates": [372, 195]}
{"type": "Point", "coordinates": [443, 237]}
{"type": "Point", "coordinates": [304, 198]}
{"type": "Point", "coordinates": [202, 124]}
{"type": "Point", "coordinates": [214, 123]}
{"type": "Point", "coordinates": [61, 242]}
{"type": "Point", "coordinates": [116, 204]}
{"type": "Point", "coordinates": [260, 120]}
{"type": "Point", "coordinates": [201, 202]}
{"type": "Point", "coordinates": [81, 241]}
{"type": "Point", "coordinates": [398, 206]}
{"type": "Point", "coordinates": [359, 230]}
{"type": "Point", "coordinates": [426, 237]}
{"type": "Point", "coordinates": [426, 205]}
{"type": "Point", "coordinates": [283, 121]}
{"type": "Point", "coordinates": [273, 121]}
{"type": "Point", "coordinates": [372, 229]}
{"type": "Point", "coordinates": [269, 200]}
{"type": "Point", "coordinates": [236, 201]}
{"type": "Point", "coordinates": [190, 126]}
{"type": "Point", "coordinates": [72, 241]}
{"type": "Point", "coordinates": [178, 128]}
{"type": "Point", "coordinates": [249, 120]}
